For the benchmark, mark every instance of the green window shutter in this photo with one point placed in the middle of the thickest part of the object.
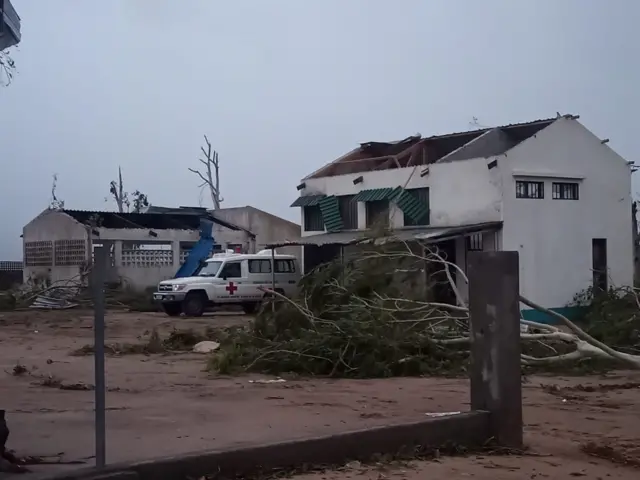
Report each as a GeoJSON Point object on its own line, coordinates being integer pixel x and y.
{"type": "Point", "coordinates": [307, 201]}
{"type": "Point", "coordinates": [414, 208]}
{"type": "Point", "coordinates": [331, 213]}
{"type": "Point", "coordinates": [374, 195]}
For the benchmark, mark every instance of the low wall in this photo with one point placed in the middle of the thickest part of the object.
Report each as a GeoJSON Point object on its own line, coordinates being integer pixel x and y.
{"type": "Point", "coordinates": [465, 429]}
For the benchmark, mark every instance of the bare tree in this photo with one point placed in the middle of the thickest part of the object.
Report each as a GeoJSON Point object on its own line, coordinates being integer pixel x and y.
{"type": "Point", "coordinates": [211, 177]}
{"type": "Point", "coordinates": [116, 189]}
{"type": "Point", "coordinates": [124, 200]}
{"type": "Point", "coordinates": [56, 203]}
{"type": "Point", "coordinates": [7, 68]}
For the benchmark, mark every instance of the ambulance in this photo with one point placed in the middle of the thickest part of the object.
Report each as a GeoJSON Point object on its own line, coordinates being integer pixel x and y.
{"type": "Point", "coordinates": [230, 279]}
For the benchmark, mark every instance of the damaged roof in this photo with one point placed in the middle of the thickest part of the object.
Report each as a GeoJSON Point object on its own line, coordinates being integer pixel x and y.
{"type": "Point", "coordinates": [175, 220]}
{"type": "Point", "coordinates": [415, 150]}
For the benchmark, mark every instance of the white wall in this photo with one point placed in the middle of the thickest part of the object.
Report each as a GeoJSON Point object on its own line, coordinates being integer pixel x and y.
{"type": "Point", "coordinates": [461, 192]}
{"type": "Point", "coordinates": [52, 225]}
{"type": "Point", "coordinates": [554, 237]}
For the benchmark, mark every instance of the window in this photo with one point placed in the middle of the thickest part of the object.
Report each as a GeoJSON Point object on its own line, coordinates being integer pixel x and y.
{"type": "Point", "coordinates": [348, 212]}
{"type": "Point", "coordinates": [474, 243]}
{"type": "Point", "coordinates": [565, 191]}
{"type": "Point", "coordinates": [285, 266]}
{"type": "Point", "coordinates": [377, 213]}
{"type": "Point", "coordinates": [231, 270]}
{"type": "Point", "coordinates": [259, 266]}
{"type": "Point", "coordinates": [529, 189]}
{"type": "Point", "coordinates": [422, 195]}
{"type": "Point", "coordinates": [313, 221]}
{"type": "Point", "coordinates": [236, 247]}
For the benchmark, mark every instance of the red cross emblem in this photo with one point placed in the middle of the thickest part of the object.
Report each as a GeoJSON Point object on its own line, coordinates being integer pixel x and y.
{"type": "Point", "coordinates": [231, 288]}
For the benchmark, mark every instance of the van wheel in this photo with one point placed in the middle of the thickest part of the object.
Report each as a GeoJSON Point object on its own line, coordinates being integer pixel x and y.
{"type": "Point", "coordinates": [194, 304]}
{"type": "Point", "coordinates": [172, 309]}
{"type": "Point", "coordinates": [249, 308]}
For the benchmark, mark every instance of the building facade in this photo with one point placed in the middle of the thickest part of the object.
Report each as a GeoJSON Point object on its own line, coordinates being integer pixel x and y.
{"type": "Point", "coordinates": [549, 189]}
{"type": "Point", "coordinates": [144, 248]}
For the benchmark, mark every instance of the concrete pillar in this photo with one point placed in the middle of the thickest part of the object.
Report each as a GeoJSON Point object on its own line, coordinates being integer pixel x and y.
{"type": "Point", "coordinates": [175, 247]}
{"type": "Point", "coordinates": [117, 252]}
{"type": "Point", "coordinates": [362, 215]}
{"type": "Point", "coordinates": [495, 348]}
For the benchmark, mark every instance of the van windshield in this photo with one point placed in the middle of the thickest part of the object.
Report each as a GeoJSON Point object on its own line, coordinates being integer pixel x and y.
{"type": "Point", "coordinates": [210, 269]}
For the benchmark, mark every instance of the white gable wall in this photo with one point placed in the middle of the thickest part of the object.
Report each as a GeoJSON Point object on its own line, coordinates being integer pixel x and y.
{"type": "Point", "coordinates": [554, 237]}
{"type": "Point", "coordinates": [460, 192]}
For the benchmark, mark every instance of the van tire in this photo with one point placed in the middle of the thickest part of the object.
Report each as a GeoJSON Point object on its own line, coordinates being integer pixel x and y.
{"type": "Point", "coordinates": [249, 308]}
{"type": "Point", "coordinates": [172, 309]}
{"type": "Point", "coordinates": [194, 304]}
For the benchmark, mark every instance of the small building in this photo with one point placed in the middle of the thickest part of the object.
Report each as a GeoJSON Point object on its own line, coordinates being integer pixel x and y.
{"type": "Point", "coordinates": [265, 228]}
{"type": "Point", "coordinates": [145, 248]}
{"type": "Point", "coordinates": [549, 189]}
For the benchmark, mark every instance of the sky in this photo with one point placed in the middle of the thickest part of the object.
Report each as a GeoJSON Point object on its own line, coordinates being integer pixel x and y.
{"type": "Point", "coordinates": [282, 87]}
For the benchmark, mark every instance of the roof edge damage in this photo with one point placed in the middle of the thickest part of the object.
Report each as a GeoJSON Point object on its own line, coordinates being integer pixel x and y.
{"type": "Point", "coordinates": [425, 235]}
{"type": "Point", "coordinates": [185, 220]}
{"type": "Point", "coordinates": [415, 150]}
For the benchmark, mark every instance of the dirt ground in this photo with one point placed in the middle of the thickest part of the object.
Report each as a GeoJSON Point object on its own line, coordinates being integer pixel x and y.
{"type": "Point", "coordinates": [168, 404]}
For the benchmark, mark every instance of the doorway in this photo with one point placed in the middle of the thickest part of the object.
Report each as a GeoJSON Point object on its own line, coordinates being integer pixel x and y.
{"type": "Point", "coordinates": [599, 264]}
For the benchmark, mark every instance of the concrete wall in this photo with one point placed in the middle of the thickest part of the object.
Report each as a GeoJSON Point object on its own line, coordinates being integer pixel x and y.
{"type": "Point", "coordinates": [52, 225]}
{"type": "Point", "coordinates": [461, 192]}
{"type": "Point", "coordinates": [268, 228]}
{"type": "Point", "coordinates": [144, 274]}
{"type": "Point", "coordinates": [553, 237]}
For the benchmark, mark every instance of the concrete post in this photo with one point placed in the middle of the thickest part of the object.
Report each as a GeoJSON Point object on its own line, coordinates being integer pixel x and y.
{"type": "Point", "coordinates": [496, 384]}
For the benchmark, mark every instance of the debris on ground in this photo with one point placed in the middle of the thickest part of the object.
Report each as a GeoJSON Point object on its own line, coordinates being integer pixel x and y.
{"type": "Point", "coordinates": [206, 346]}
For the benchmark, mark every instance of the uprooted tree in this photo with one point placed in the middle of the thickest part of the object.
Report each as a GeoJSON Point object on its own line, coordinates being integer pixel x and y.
{"type": "Point", "coordinates": [211, 176]}
{"type": "Point", "coordinates": [127, 202]}
{"type": "Point", "coordinates": [374, 316]}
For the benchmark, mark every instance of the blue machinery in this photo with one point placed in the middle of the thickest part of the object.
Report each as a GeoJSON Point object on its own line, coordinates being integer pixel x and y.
{"type": "Point", "coordinates": [200, 251]}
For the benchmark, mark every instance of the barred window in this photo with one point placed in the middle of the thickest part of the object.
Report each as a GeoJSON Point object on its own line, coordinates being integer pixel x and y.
{"type": "Point", "coordinates": [38, 254]}
{"type": "Point", "coordinates": [69, 253]}
{"type": "Point", "coordinates": [529, 189]}
{"type": "Point", "coordinates": [565, 191]}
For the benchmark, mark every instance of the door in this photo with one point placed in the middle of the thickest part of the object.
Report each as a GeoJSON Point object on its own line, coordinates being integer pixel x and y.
{"type": "Point", "coordinates": [599, 264]}
{"type": "Point", "coordinates": [232, 286]}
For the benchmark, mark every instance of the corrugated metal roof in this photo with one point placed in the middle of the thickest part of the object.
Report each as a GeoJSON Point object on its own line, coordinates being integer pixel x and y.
{"type": "Point", "coordinates": [307, 201]}
{"type": "Point", "coordinates": [331, 213]}
{"type": "Point", "coordinates": [411, 206]}
{"type": "Point", "coordinates": [375, 194]}
{"type": "Point", "coordinates": [423, 234]}
{"type": "Point", "coordinates": [169, 220]}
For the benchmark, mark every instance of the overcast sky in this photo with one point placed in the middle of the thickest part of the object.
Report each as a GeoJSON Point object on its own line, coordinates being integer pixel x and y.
{"type": "Point", "coordinates": [284, 86]}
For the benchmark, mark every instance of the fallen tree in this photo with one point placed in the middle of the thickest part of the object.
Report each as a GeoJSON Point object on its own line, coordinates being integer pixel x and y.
{"type": "Point", "coordinates": [372, 317]}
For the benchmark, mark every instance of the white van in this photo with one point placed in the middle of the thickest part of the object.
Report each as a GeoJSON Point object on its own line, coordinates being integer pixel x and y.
{"type": "Point", "coordinates": [230, 279]}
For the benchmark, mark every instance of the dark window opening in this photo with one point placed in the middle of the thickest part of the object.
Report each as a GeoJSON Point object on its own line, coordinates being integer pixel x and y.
{"type": "Point", "coordinates": [422, 195]}
{"type": "Point", "coordinates": [599, 264]}
{"type": "Point", "coordinates": [348, 212]}
{"type": "Point", "coordinates": [313, 221]}
{"type": "Point", "coordinates": [231, 270]}
{"type": "Point", "coordinates": [259, 266]}
{"type": "Point", "coordinates": [377, 213]}
{"type": "Point", "coordinates": [565, 191]}
{"type": "Point", "coordinates": [236, 247]}
{"type": "Point", "coordinates": [529, 189]}
{"type": "Point", "coordinates": [285, 266]}
{"type": "Point", "coordinates": [474, 243]}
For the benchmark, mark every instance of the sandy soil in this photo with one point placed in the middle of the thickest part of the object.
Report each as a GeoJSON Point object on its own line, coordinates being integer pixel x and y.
{"type": "Point", "coordinates": [173, 401]}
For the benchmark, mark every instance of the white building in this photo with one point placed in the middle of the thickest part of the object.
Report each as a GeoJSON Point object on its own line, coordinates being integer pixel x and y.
{"type": "Point", "coordinates": [145, 248]}
{"type": "Point", "coordinates": [549, 189]}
